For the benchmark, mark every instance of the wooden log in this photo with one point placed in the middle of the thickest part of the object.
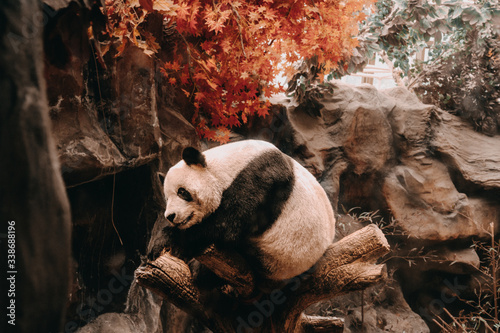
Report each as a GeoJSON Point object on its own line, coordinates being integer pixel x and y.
{"type": "Point", "coordinates": [347, 265]}
{"type": "Point", "coordinates": [230, 267]}
{"type": "Point", "coordinates": [319, 324]}
{"type": "Point", "coordinates": [171, 278]}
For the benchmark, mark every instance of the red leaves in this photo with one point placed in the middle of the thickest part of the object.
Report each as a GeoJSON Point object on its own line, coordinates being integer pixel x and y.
{"type": "Point", "coordinates": [236, 49]}
{"type": "Point", "coordinates": [188, 15]}
{"type": "Point", "coordinates": [215, 18]}
{"type": "Point", "coordinates": [183, 12]}
{"type": "Point", "coordinates": [146, 4]}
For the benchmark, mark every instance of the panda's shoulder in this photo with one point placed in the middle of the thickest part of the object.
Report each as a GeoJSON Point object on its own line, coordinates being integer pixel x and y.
{"type": "Point", "coordinates": [246, 149]}
{"type": "Point", "coordinates": [258, 145]}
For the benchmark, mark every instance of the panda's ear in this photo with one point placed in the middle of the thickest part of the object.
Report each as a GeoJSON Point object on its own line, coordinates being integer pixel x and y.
{"type": "Point", "coordinates": [193, 156]}
{"type": "Point", "coordinates": [161, 177]}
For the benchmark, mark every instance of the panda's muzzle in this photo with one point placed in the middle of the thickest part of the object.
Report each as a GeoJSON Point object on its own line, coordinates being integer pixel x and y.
{"type": "Point", "coordinates": [171, 219]}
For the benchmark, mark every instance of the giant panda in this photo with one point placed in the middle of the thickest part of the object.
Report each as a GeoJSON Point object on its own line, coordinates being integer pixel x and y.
{"type": "Point", "coordinates": [250, 197]}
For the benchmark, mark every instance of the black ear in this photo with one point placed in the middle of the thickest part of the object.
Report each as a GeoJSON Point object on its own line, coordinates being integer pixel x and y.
{"type": "Point", "coordinates": [192, 156]}
{"type": "Point", "coordinates": [161, 177]}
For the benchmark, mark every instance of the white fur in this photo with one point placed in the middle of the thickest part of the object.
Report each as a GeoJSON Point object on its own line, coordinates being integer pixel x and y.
{"type": "Point", "coordinates": [204, 187]}
{"type": "Point", "coordinates": [207, 184]}
{"type": "Point", "coordinates": [297, 239]}
{"type": "Point", "coordinates": [303, 231]}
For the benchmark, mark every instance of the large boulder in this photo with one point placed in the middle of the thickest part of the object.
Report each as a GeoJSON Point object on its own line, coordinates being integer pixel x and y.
{"type": "Point", "coordinates": [345, 127]}
{"type": "Point", "coordinates": [426, 172]}
{"type": "Point", "coordinates": [427, 206]}
{"type": "Point", "coordinates": [386, 150]}
{"type": "Point", "coordinates": [116, 126]}
{"type": "Point", "coordinates": [474, 155]}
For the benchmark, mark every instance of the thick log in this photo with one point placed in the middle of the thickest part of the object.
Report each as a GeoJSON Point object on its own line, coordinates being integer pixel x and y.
{"type": "Point", "coordinates": [171, 278]}
{"type": "Point", "coordinates": [318, 324]}
{"type": "Point", "coordinates": [230, 267]}
{"type": "Point", "coordinates": [346, 266]}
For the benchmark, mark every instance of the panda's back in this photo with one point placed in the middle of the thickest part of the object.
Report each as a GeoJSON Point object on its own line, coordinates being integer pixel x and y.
{"type": "Point", "coordinates": [309, 223]}
{"type": "Point", "coordinates": [299, 226]}
{"type": "Point", "coordinates": [230, 159]}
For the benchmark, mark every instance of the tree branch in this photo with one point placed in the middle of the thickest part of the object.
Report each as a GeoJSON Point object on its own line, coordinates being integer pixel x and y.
{"type": "Point", "coordinates": [238, 19]}
{"type": "Point", "coordinates": [347, 265]}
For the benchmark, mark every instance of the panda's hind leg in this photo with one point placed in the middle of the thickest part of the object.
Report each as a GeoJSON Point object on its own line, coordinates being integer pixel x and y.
{"type": "Point", "coordinates": [203, 277]}
{"type": "Point", "coordinates": [215, 293]}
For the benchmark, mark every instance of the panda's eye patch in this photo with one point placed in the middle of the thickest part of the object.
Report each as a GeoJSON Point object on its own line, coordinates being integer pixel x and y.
{"type": "Point", "coordinates": [184, 194]}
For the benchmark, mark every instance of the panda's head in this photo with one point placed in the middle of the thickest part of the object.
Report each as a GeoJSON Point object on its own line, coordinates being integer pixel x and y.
{"type": "Point", "coordinates": [191, 190]}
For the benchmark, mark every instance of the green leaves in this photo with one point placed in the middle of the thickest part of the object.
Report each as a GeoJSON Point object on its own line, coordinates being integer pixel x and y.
{"type": "Point", "coordinates": [404, 27]}
{"type": "Point", "coordinates": [462, 73]}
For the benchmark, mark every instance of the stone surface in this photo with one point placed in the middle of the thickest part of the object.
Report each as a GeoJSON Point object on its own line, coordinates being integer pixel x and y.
{"type": "Point", "coordinates": [34, 207]}
{"type": "Point", "coordinates": [110, 129]}
{"type": "Point", "coordinates": [462, 261]}
{"type": "Point", "coordinates": [176, 134]}
{"type": "Point", "coordinates": [476, 156]}
{"type": "Point", "coordinates": [423, 169]}
{"type": "Point", "coordinates": [349, 129]}
{"type": "Point", "coordinates": [387, 150]}
{"type": "Point", "coordinates": [427, 206]}
{"type": "Point", "coordinates": [353, 118]}
{"type": "Point", "coordinates": [109, 136]}
{"type": "Point", "coordinates": [384, 310]}
{"type": "Point", "coordinates": [142, 314]}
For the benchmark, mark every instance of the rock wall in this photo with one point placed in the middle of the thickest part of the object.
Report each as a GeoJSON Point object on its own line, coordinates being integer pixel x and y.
{"type": "Point", "coordinates": [35, 238]}
{"type": "Point", "coordinates": [430, 170]}
{"type": "Point", "coordinates": [117, 123]}
{"type": "Point", "coordinates": [426, 172]}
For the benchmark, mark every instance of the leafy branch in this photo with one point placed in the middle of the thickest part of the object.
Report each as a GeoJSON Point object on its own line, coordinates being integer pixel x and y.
{"type": "Point", "coordinates": [230, 52]}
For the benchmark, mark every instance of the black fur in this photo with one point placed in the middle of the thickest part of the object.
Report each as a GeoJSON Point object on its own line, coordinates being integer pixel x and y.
{"type": "Point", "coordinates": [192, 156]}
{"type": "Point", "coordinates": [249, 206]}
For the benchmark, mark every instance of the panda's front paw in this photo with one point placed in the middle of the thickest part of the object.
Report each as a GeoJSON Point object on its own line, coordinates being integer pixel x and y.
{"type": "Point", "coordinates": [158, 243]}
{"type": "Point", "coordinates": [186, 244]}
{"type": "Point", "coordinates": [155, 252]}
{"type": "Point", "coordinates": [188, 251]}
{"type": "Point", "coordinates": [164, 240]}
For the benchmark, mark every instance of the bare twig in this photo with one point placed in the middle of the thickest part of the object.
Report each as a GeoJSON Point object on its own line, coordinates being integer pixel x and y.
{"type": "Point", "coordinates": [494, 270]}
{"type": "Point", "coordinates": [238, 19]}
{"type": "Point", "coordinates": [440, 324]}
{"type": "Point", "coordinates": [188, 49]}
{"type": "Point", "coordinates": [454, 319]}
{"type": "Point", "coordinates": [395, 75]}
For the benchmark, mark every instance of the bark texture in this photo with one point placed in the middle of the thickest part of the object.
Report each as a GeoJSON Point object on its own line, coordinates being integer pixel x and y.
{"type": "Point", "coordinates": [346, 266]}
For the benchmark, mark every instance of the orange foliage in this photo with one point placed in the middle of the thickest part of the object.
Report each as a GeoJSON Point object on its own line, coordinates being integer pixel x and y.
{"type": "Point", "coordinates": [235, 49]}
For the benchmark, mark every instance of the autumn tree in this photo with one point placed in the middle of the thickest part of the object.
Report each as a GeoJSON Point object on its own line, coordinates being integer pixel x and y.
{"type": "Point", "coordinates": [229, 53]}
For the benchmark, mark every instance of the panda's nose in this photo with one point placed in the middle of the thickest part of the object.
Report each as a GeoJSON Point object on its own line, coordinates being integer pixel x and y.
{"type": "Point", "coordinates": [171, 217]}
